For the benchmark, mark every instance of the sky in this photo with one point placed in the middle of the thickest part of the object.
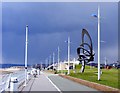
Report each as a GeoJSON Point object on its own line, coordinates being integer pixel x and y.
{"type": "Point", "coordinates": [1, 33]}
{"type": "Point", "coordinates": [60, 0]}
{"type": "Point", "coordinates": [50, 24]}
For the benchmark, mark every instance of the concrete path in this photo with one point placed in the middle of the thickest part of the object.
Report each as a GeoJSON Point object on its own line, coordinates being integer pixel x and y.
{"type": "Point", "coordinates": [40, 83]}
{"type": "Point", "coordinates": [52, 82]}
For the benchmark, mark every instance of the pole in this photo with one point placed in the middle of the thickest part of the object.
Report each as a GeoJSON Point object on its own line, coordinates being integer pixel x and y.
{"type": "Point", "coordinates": [46, 63]}
{"type": "Point", "coordinates": [68, 55]}
{"type": "Point", "coordinates": [98, 43]}
{"type": "Point", "coordinates": [53, 59]}
{"type": "Point", "coordinates": [41, 65]}
{"type": "Point", "coordinates": [50, 60]}
{"type": "Point", "coordinates": [58, 58]}
{"type": "Point", "coordinates": [26, 54]}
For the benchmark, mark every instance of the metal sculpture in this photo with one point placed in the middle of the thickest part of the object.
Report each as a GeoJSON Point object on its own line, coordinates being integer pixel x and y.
{"type": "Point", "coordinates": [85, 51]}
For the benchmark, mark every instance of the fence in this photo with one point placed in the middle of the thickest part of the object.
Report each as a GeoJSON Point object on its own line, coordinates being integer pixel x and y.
{"type": "Point", "coordinates": [5, 82]}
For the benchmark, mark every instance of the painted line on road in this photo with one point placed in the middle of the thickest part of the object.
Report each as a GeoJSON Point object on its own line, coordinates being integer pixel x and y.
{"type": "Point", "coordinates": [53, 84]}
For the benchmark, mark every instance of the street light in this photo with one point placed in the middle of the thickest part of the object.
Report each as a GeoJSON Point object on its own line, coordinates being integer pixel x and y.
{"type": "Point", "coordinates": [49, 60]}
{"type": "Point", "coordinates": [105, 61]}
{"type": "Point", "coordinates": [46, 61]}
{"type": "Point", "coordinates": [58, 57]}
{"type": "Point", "coordinates": [98, 17]}
{"type": "Point", "coordinates": [53, 59]}
{"type": "Point", "coordinates": [41, 66]}
{"type": "Point", "coordinates": [26, 43]}
{"type": "Point", "coordinates": [68, 55]}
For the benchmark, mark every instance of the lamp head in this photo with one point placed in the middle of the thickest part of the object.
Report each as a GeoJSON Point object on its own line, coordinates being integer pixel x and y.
{"type": "Point", "coordinates": [94, 15]}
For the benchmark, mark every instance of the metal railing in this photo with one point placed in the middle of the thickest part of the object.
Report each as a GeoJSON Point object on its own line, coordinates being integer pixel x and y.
{"type": "Point", "coordinates": [5, 83]}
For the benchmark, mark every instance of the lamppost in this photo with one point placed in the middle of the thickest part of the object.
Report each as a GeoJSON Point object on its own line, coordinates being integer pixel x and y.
{"type": "Point", "coordinates": [53, 59]}
{"type": "Point", "coordinates": [49, 61]}
{"type": "Point", "coordinates": [26, 43]}
{"type": "Point", "coordinates": [41, 66]}
{"type": "Point", "coordinates": [98, 17]}
{"type": "Point", "coordinates": [105, 61]}
{"type": "Point", "coordinates": [68, 55]}
{"type": "Point", "coordinates": [58, 57]}
{"type": "Point", "coordinates": [46, 61]}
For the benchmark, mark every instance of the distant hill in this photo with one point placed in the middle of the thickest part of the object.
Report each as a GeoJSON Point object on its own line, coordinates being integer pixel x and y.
{"type": "Point", "coordinates": [10, 65]}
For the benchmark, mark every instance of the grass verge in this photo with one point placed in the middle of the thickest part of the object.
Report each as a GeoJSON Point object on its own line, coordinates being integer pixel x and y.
{"type": "Point", "coordinates": [109, 77]}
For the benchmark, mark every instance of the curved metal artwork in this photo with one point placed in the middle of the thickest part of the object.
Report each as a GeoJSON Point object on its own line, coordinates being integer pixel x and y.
{"type": "Point", "coordinates": [85, 50]}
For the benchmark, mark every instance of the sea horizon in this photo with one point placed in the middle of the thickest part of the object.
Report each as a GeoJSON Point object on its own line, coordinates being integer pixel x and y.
{"type": "Point", "coordinates": [10, 65]}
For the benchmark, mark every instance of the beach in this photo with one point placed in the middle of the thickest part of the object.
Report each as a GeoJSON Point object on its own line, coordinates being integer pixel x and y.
{"type": "Point", "coordinates": [7, 73]}
{"type": "Point", "coordinates": [10, 70]}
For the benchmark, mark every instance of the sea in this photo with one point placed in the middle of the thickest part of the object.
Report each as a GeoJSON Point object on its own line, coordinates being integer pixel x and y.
{"type": "Point", "coordinates": [10, 65]}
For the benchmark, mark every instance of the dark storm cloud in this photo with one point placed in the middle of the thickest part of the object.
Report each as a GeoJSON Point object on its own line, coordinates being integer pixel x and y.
{"type": "Point", "coordinates": [49, 26]}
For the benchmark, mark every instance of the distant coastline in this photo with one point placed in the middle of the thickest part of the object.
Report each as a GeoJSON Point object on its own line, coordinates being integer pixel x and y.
{"type": "Point", "coordinates": [10, 65]}
{"type": "Point", "coordinates": [10, 68]}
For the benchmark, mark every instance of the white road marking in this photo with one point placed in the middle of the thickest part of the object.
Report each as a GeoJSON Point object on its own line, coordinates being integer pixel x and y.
{"type": "Point", "coordinates": [53, 84]}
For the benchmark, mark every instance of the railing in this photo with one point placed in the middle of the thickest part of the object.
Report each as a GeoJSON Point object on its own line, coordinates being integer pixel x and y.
{"type": "Point", "coordinates": [5, 85]}
{"type": "Point", "coordinates": [2, 86]}
{"type": "Point", "coordinates": [5, 82]}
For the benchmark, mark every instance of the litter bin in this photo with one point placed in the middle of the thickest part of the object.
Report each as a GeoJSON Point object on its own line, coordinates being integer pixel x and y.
{"type": "Point", "coordinates": [14, 84]}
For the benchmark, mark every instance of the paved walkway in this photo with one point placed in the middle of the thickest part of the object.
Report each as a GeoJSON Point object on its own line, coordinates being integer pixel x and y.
{"type": "Point", "coordinates": [51, 82]}
{"type": "Point", "coordinates": [67, 85]}
{"type": "Point", "coordinates": [40, 83]}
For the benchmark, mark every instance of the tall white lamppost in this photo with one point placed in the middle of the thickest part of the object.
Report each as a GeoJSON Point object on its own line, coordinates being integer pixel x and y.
{"type": "Point", "coordinates": [105, 61]}
{"type": "Point", "coordinates": [46, 62]}
{"type": "Point", "coordinates": [58, 57]}
{"type": "Point", "coordinates": [53, 60]}
{"type": "Point", "coordinates": [49, 60]}
{"type": "Point", "coordinates": [68, 55]}
{"type": "Point", "coordinates": [41, 66]}
{"type": "Point", "coordinates": [98, 17]}
{"type": "Point", "coordinates": [26, 43]}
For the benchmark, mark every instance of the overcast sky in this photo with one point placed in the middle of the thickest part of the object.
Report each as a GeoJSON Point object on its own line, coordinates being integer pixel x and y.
{"type": "Point", "coordinates": [50, 24]}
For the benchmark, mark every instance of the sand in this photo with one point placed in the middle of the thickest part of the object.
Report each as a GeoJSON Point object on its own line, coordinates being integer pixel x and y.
{"type": "Point", "coordinates": [9, 70]}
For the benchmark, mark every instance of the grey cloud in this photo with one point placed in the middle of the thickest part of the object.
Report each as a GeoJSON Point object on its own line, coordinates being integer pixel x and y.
{"type": "Point", "coordinates": [49, 26]}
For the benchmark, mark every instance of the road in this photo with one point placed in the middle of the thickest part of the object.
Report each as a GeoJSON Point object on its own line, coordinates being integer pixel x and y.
{"type": "Point", "coordinates": [52, 82]}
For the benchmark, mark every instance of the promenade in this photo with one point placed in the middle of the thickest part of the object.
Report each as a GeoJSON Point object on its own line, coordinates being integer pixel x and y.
{"type": "Point", "coordinates": [52, 82]}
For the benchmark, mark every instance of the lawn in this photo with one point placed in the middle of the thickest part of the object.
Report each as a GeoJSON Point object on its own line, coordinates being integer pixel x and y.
{"type": "Point", "coordinates": [109, 77]}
